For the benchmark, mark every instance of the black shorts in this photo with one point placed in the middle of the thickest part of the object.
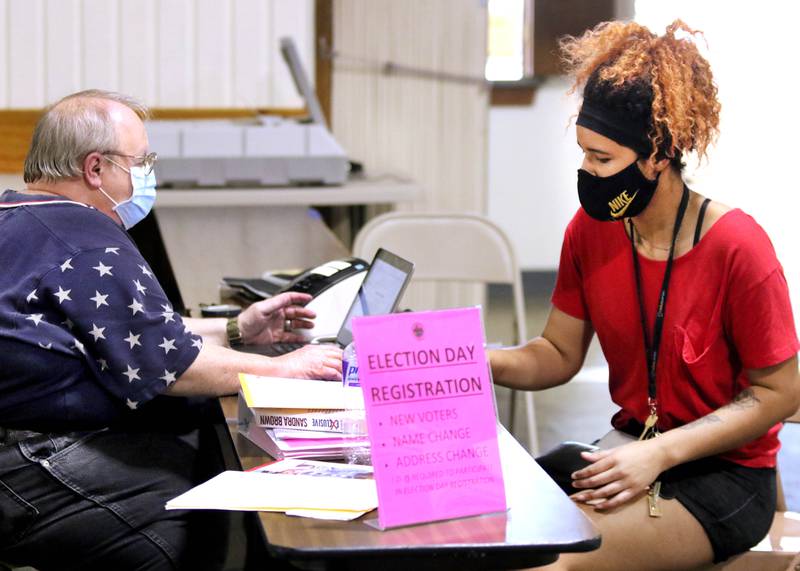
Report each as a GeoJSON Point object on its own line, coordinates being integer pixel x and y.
{"type": "Point", "coordinates": [734, 504]}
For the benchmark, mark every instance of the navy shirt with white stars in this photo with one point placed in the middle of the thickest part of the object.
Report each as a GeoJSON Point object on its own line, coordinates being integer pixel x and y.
{"type": "Point", "coordinates": [86, 332]}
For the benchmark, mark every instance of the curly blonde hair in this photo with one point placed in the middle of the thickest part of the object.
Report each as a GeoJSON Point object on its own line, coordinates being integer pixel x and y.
{"type": "Point", "coordinates": [663, 78]}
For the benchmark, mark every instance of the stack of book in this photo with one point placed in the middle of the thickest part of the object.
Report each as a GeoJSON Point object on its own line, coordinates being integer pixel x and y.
{"type": "Point", "coordinates": [296, 418]}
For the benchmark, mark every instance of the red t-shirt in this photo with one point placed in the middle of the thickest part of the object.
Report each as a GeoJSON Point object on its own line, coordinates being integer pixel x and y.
{"type": "Point", "coordinates": [728, 310]}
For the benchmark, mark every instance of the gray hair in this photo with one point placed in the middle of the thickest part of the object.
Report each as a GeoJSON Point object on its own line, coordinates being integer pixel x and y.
{"type": "Point", "coordinates": [72, 128]}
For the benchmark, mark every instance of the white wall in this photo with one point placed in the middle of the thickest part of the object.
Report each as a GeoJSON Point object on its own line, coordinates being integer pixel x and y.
{"type": "Point", "coordinates": [753, 52]}
{"type": "Point", "coordinates": [169, 53]}
{"type": "Point", "coordinates": [533, 160]}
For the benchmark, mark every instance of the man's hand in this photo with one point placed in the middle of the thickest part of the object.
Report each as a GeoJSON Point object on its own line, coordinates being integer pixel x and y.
{"type": "Point", "coordinates": [312, 362]}
{"type": "Point", "coordinates": [619, 475]}
{"type": "Point", "coordinates": [267, 321]}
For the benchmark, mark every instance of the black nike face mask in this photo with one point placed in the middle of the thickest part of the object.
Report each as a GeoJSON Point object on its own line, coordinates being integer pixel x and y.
{"type": "Point", "coordinates": [624, 194]}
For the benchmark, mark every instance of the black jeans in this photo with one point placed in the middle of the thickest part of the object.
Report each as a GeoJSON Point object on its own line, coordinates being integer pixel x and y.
{"type": "Point", "coordinates": [96, 501]}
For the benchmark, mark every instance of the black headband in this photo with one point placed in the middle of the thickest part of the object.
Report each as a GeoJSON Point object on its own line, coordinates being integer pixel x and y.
{"type": "Point", "coordinates": [623, 129]}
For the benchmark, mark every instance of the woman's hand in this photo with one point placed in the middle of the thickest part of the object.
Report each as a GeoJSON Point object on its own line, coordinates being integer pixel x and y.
{"type": "Point", "coordinates": [618, 475]}
{"type": "Point", "coordinates": [273, 320]}
{"type": "Point", "coordinates": [312, 362]}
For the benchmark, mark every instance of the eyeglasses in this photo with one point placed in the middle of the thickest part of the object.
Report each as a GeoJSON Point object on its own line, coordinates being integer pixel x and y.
{"type": "Point", "coordinates": [148, 161]}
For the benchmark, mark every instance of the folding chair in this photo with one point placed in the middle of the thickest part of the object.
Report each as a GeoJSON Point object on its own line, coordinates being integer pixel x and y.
{"type": "Point", "coordinates": [454, 248]}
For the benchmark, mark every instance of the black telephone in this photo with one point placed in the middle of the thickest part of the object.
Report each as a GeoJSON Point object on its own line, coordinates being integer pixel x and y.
{"type": "Point", "coordinates": [332, 285]}
{"type": "Point", "coordinates": [316, 280]}
{"type": "Point", "coordinates": [313, 280]}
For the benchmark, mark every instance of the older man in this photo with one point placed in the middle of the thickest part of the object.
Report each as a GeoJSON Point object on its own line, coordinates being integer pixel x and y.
{"type": "Point", "coordinates": [95, 366]}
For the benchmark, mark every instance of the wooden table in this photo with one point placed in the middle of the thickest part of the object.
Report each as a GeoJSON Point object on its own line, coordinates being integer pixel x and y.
{"type": "Point", "coordinates": [541, 523]}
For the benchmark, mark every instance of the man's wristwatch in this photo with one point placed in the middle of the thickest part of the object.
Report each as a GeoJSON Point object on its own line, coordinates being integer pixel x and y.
{"type": "Point", "coordinates": [233, 332]}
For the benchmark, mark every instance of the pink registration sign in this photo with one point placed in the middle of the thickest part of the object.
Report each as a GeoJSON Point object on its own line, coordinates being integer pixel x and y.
{"type": "Point", "coordinates": [430, 415]}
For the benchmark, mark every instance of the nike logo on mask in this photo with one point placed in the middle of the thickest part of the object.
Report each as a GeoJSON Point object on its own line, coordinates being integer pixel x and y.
{"type": "Point", "coordinates": [621, 203]}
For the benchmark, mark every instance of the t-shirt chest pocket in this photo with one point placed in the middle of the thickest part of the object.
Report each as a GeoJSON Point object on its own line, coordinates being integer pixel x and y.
{"type": "Point", "coordinates": [706, 367]}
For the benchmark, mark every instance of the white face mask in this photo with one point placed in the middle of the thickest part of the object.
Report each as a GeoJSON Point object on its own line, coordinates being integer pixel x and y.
{"type": "Point", "coordinates": [134, 209]}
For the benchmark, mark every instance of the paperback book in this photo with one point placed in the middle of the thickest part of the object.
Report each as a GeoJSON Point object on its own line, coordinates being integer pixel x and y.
{"type": "Point", "coordinates": [316, 420]}
{"type": "Point", "coordinates": [290, 443]}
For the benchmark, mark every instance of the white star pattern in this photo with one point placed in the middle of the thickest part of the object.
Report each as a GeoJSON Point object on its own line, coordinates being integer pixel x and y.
{"type": "Point", "coordinates": [167, 314]}
{"type": "Point", "coordinates": [133, 340]}
{"type": "Point", "coordinates": [62, 295]}
{"type": "Point", "coordinates": [97, 332]}
{"type": "Point", "coordinates": [168, 345]}
{"type": "Point", "coordinates": [103, 269]}
{"type": "Point", "coordinates": [168, 377]}
{"type": "Point", "coordinates": [117, 340]}
{"type": "Point", "coordinates": [99, 299]}
{"type": "Point", "coordinates": [36, 318]}
{"type": "Point", "coordinates": [132, 374]}
{"type": "Point", "coordinates": [136, 307]}
{"type": "Point", "coordinates": [139, 287]}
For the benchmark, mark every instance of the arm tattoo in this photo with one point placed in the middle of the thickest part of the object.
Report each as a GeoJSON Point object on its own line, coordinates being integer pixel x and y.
{"type": "Point", "coordinates": [745, 399]}
{"type": "Point", "coordinates": [708, 419]}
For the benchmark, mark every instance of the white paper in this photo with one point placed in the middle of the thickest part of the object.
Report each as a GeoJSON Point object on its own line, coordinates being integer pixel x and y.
{"type": "Point", "coordinates": [293, 490]}
{"type": "Point", "coordinates": [327, 515]}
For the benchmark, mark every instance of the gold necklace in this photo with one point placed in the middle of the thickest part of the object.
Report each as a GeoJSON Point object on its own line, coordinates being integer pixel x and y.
{"type": "Point", "coordinates": [641, 240]}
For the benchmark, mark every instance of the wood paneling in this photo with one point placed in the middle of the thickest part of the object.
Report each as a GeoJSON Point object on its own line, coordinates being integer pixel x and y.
{"type": "Point", "coordinates": [323, 26]}
{"type": "Point", "coordinates": [287, 20]}
{"type": "Point", "coordinates": [423, 126]}
{"type": "Point", "coordinates": [213, 79]}
{"type": "Point", "coordinates": [175, 60]}
{"type": "Point", "coordinates": [3, 54]}
{"type": "Point", "coordinates": [100, 58]}
{"type": "Point", "coordinates": [25, 56]}
{"type": "Point", "coordinates": [63, 47]}
{"type": "Point", "coordinates": [168, 53]}
{"type": "Point", "coordinates": [16, 127]}
{"type": "Point", "coordinates": [138, 49]}
{"type": "Point", "coordinates": [252, 38]}
{"type": "Point", "coordinates": [185, 58]}
{"type": "Point", "coordinates": [556, 18]}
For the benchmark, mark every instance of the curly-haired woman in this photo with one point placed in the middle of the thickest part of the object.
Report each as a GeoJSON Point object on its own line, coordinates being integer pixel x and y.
{"type": "Point", "coordinates": [690, 307]}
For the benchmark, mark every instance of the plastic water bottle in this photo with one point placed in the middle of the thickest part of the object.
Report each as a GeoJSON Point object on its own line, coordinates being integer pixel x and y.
{"type": "Point", "coordinates": [350, 366]}
{"type": "Point", "coordinates": [354, 425]}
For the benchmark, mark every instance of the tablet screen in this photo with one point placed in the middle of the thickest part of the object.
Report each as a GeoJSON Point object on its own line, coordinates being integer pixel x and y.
{"type": "Point", "coordinates": [380, 292]}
